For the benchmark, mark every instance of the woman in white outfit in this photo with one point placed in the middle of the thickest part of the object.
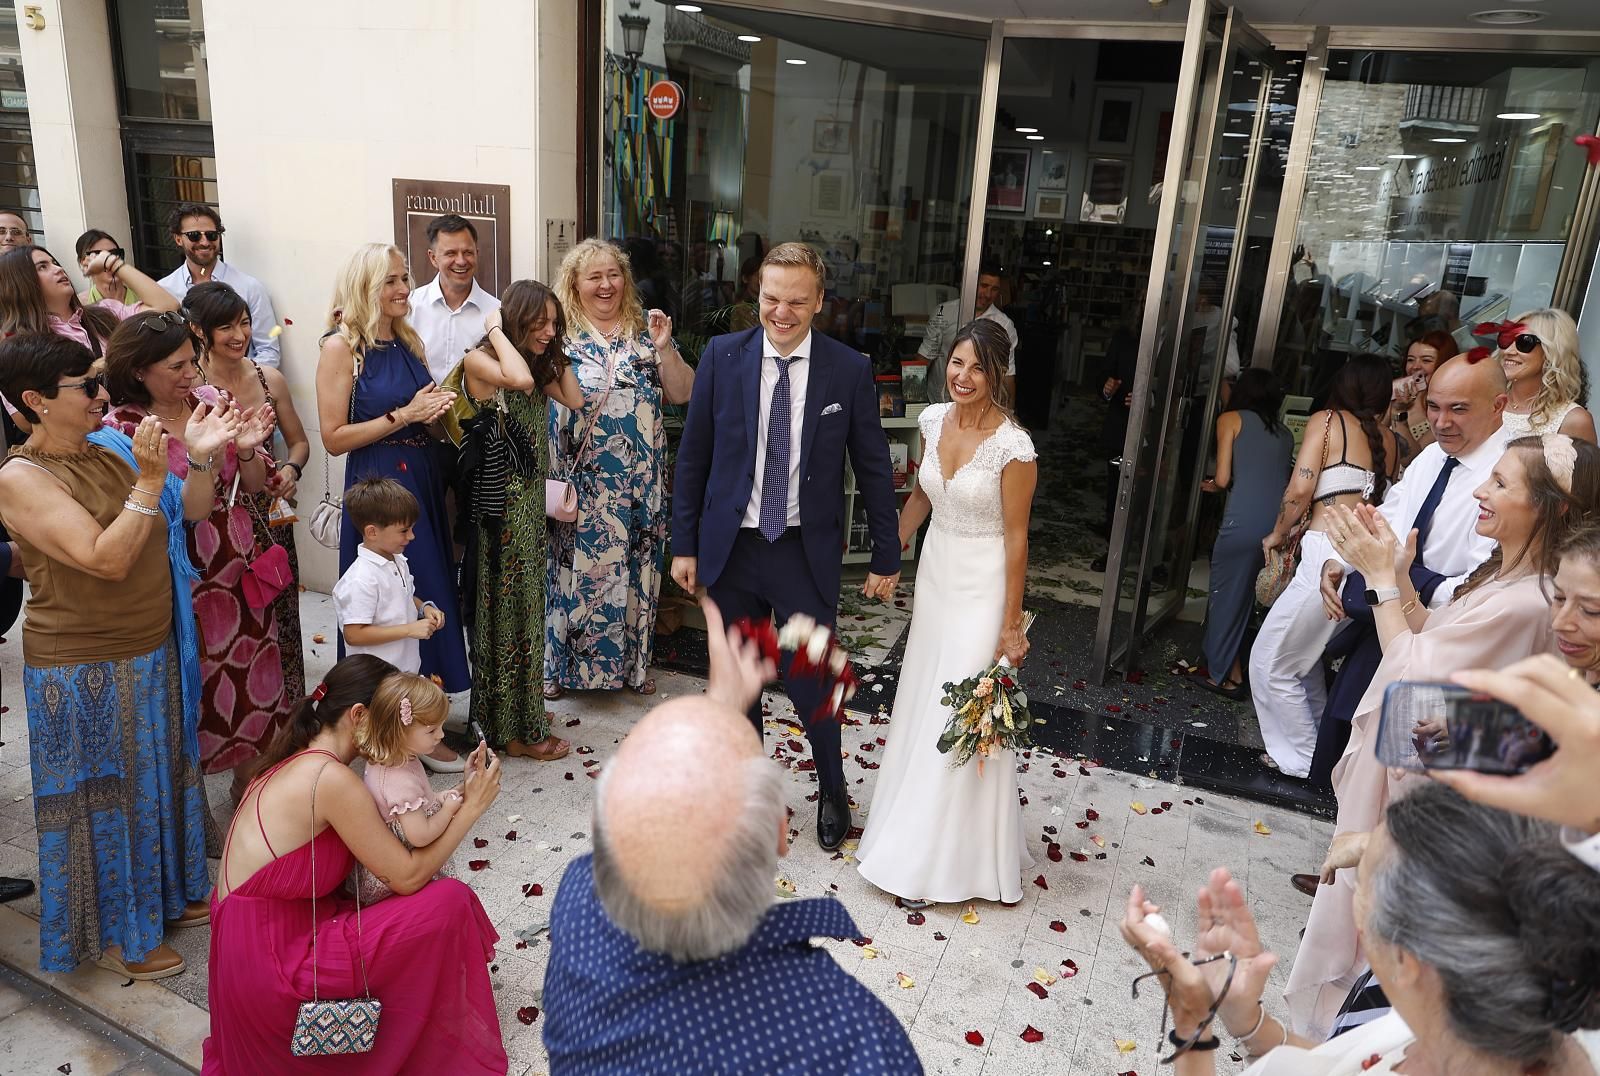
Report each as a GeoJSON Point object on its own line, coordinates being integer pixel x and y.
{"type": "Point", "coordinates": [1348, 457]}
{"type": "Point", "coordinates": [1544, 377]}
{"type": "Point", "coordinates": [935, 833]}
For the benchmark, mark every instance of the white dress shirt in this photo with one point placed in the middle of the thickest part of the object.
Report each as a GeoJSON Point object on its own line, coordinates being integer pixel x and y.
{"type": "Point", "coordinates": [1454, 547]}
{"type": "Point", "coordinates": [1582, 845]}
{"type": "Point", "coordinates": [799, 374]}
{"type": "Point", "coordinates": [263, 345]}
{"type": "Point", "coordinates": [448, 334]}
{"type": "Point", "coordinates": [377, 591]}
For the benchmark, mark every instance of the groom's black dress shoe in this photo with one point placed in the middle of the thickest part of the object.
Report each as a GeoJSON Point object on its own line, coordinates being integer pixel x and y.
{"type": "Point", "coordinates": [13, 888]}
{"type": "Point", "coordinates": [833, 818]}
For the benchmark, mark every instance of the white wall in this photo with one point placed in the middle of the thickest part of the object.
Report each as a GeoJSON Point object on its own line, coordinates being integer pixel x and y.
{"type": "Point", "coordinates": [319, 105]}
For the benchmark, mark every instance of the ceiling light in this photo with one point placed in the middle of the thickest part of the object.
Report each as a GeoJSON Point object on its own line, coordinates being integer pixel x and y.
{"type": "Point", "coordinates": [749, 39]}
{"type": "Point", "coordinates": [1517, 116]}
{"type": "Point", "coordinates": [1450, 141]}
{"type": "Point", "coordinates": [1343, 175]}
{"type": "Point", "coordinates": [1402, 156]}
{"type": "Point", "coordinates": [1369, 168]}
{"type": "Point", "coordinates": [692, 9]}
{"type": "Point", "coordinates": [1507, 16]}
{"type": "Point", "coordinates": [796, 62]}
{"type": "Point", "coordinates": [1027, 130]}
{"type": "Point", "coordinates": [1235, 134]}
{"type": "Point", "coordinates": [1036, 138]}
{"type": "Point", "coordinates": [1046, 263]}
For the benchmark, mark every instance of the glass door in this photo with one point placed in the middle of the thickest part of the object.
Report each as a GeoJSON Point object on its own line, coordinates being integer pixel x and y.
{"type": "Point", "coordinates": [1187, 343]}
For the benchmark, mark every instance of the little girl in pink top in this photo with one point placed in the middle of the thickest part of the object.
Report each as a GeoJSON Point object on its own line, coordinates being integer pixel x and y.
{"type": "Point", "coordinates": [405, 721]}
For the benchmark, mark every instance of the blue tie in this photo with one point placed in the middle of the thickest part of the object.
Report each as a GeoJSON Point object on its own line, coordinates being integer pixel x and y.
{"type": "Point", "coordinates": [1430, 504]}
{"type": "Point", "coordinates": [775, 475]}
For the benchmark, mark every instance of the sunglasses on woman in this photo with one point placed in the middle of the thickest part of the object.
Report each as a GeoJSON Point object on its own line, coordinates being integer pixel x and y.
{"type": "Point", "coordinates": [160, 323]}
{"type": "Point", "coordinates": [1525, 343]}
{"type": "Point", "coordinates": [90, 385]}
{"type": "Point", "coordinates": [211, 237]}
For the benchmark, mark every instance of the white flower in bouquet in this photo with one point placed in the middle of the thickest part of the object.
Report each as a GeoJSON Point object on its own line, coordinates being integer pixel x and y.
{"type": "Point", "coordinates": [796, 632]}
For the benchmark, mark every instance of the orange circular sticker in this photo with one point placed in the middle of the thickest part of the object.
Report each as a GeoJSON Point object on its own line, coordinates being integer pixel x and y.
{"type": "Point", "coordinates": [664, 99]}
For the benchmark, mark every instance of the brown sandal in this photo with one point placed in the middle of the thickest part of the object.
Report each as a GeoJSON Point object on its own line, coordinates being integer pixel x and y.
{"type": "Point", "coordinates": [196, 914]}
{"type": "Point", "coordinates": [546, 750]}
{"type": "Point", "coordinates": [646, 688]}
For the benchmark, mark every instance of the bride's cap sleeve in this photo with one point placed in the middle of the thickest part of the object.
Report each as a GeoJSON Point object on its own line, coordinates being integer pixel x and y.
{"type": "Point", "coordinates": [930, 417]}
{"type": "Point", "coordinates": [1019, 446]}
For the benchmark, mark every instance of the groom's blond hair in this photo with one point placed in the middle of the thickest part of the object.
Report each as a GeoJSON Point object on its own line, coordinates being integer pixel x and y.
{"type": "Point", "coordinates": [797, 256]}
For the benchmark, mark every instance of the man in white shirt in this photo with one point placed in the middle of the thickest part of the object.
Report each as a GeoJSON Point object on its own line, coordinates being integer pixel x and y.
{"type": "Point", "coordinates": [449, 310]}
{"type": "Point", "coordinates": [945, 322]}
{"type": "Point", "coordinates": [14, 230]}
{"type": "Point", "coordinates": [1465, 402]}
{"type": "Point", "coordinates": [197, 230]}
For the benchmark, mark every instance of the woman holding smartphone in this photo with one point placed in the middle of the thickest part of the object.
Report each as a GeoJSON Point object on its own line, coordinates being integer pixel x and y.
{"type": "Point", "coordinates": [1408, 413]}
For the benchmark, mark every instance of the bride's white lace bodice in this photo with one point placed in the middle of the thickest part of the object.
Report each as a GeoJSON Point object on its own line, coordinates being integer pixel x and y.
{"type": "Point", "coordinates": [969, 504]}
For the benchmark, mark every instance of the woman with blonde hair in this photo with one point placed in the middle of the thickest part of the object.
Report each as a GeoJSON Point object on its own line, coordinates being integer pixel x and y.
{"type": "Point", "coordinates": [605, 567]}
{"type": "Point", "coordinates": [378, 403]}
{"type": "Point", "coordinates": [1544, 376]}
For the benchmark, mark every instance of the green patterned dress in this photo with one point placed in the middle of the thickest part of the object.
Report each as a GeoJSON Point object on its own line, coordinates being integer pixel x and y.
{"type": "Point", "coordinates": [508, 605]}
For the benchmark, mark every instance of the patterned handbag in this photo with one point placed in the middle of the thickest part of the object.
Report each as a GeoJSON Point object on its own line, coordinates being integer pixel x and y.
{"type": "Point", "coordinates": [1273, 579]}
{"type": "Point", "coordinates": [324, 1028]}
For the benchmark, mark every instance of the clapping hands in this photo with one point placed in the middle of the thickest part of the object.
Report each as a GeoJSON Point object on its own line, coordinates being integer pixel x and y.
{"type": "Point", "coordinates": [1364, 539]}
{"type": "Point", "coordinates": [212, 426]}
{"type": "Point", "coordinates": [427, 405]}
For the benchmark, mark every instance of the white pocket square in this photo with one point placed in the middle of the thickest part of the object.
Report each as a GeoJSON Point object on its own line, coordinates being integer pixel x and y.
{"type": "Point", "coordinates": [831, 409]}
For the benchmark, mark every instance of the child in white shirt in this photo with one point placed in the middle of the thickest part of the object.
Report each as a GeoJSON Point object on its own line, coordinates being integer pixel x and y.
{"type": "Point", "coordinates": [375, 600]}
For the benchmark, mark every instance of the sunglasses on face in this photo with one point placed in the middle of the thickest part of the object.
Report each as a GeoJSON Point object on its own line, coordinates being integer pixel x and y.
{"type": "Point", "coordinates": [194, 237]}
{"type": "Point", "coordinates": [90, 385]}
{"type": "Point", "coordinates": [1525, 343]}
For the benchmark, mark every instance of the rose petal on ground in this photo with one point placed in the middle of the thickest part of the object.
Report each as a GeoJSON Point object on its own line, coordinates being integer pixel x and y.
{"type": "Point", "coordinates": [1100, 842]}
{"type": "Point", "coordinates": [477, 864]}
{"type": "Point", "coordinates": [1069, 968]}
{"type": "Point", "coordinates": [1041, 883]}
{"type": "Point", "coordinates": [939, 936]}
{"type": "Point", "coordinates": [974, 1038]}
{"type": "Point", "coordinates": [916, 919]}
{"type": "Point", "coordinates": [479, 842]}
{"type": "Point", "coordinates": [1058, 926]}
{"type": "Point", "coordinates": [906, 982]}
{"type": "Point", "coordinates": [1092, 815]}
{"type": "Point", "coordinates": [1043, 978]}
{"type": "Point", "coordinates": [1082, 825]}
{"type": "Point", "coordinates": [1038, 991]}
{"type": "Point", "coordinates": [1053, 850]}
{"type": "Point", "coordinates": [1031, 1034]}
{"type": "Point", "coordinates": [511, 834]}
{"type": "Point", "coordinates": [869, 952]}
{"type": "Point", "coordinates": [970, 916]}
{"type": "Point", "coordinates": [1126, 1046]}
{"type": "Point", "coordinates": [1137, 808]}
{"type": "Point", "coordinates": [528, 1014]}
{"type": "Point", "coordinates": [1079, 857]}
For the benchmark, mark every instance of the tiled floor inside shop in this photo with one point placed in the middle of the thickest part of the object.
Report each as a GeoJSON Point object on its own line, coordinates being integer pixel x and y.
{"type": "Point", "coordinates": [943, 977]}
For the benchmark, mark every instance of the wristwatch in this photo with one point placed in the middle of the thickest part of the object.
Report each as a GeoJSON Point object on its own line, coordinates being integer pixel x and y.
{"type": "Point", "coordinates": [1378, 597]}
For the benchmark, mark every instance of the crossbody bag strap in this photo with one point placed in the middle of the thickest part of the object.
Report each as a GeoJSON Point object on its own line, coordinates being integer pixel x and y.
{"type": "Point", "coordinates": [594, 417]}
{"type": "Point", "coordinates": [361, 955]}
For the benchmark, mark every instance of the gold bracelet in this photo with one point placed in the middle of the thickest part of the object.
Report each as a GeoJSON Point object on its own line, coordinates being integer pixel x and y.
{"type": "Point", "coordinates": [1408, 607]}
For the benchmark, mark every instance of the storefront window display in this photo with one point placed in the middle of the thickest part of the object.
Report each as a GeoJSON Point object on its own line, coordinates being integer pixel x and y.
{"type": "Point", "coordinates": [1440, 191]}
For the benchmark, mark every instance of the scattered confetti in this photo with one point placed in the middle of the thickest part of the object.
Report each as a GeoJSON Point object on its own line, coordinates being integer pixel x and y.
{"type": "Point", "coordinates": [1262, 828]}
{"type": "Point", "coordinates": [1137, 807]}
{"type": "Point", "coordinates": [906, 982]}
{"type": "Point", "coordinates": [1038, 991]}
{"type": "Point", "coordinates": [1126, 1046]}
{"type": "Point", "coordinates": [1043, 978]}
{"type": "Point", "coordinates": [974, 1038]}
{"type": "Point", "coordinates": [970, 916]}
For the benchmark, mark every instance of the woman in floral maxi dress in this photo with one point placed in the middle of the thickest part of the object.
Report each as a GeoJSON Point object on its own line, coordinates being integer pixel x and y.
{"type": "Point", "coordinates": [605, 568]}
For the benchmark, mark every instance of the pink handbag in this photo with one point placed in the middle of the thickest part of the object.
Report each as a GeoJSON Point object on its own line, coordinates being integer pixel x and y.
{"type": "Point", "coordinates": [265, 577]}
{"type": "Point", "coordinates": [560, 500]}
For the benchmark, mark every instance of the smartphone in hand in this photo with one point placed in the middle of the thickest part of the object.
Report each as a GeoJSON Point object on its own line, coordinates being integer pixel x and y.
{"type": "Point", "coordinates": [1436, 726]}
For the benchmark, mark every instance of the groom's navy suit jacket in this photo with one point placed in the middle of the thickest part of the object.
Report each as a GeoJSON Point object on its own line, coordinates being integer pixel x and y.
{"type": "Point", "coordinates": [717, 458]}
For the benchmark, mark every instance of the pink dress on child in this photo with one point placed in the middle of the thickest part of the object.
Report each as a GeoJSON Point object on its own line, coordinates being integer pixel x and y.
{"type": "Point", "coordinates": [427, 960]}
{"type": "Point", "coordinates": [398, 790]}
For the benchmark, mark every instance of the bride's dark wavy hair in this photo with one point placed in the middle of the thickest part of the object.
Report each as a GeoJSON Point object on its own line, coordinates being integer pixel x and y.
{"type": "Point", "coordinates": [992, 345]}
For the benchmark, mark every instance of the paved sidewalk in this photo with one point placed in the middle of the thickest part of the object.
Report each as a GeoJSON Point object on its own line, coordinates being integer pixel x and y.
{"type": "Point", "coordinates": [41, 1032]}
{"type": "Point", "coordinates": [959, 976]}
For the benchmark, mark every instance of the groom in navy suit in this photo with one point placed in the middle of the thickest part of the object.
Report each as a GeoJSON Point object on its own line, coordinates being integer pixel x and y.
{"type": "Point", "coordinates": [758, 505]}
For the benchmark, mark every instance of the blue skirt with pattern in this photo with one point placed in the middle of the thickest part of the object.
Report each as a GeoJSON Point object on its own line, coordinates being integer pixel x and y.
{"type": "Point", "coordinates": [122, 816]}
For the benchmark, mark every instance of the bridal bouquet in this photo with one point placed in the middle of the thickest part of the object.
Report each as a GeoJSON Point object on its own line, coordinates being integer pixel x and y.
{"type": "Point", "coordinates": [989, 714]}
{"type": "Point", "coordinates": [817, 654]}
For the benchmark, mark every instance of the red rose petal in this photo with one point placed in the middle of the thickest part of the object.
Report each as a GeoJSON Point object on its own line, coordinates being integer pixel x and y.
{"type": "Point", "coordinates": [573, 722]}
{"type": "Point", "coordinates": [477, 864]}
{"type": "Point", "coordinates": [975, 1038]}
{"type": "Point", "coordinates": [939, 936]}
{"type": "Point", "coordinates": [1053, 850]}
{"type": "Point", "coordinates": [861, 941]}
{"type": "Point", "coordinates": [1078, 857]}
{"type": "Point", "coordinates": [567, 776]}
{"type": "Point", "coordinates": [532, 889]}
{"type": "Point", "coordinates": [528, 1014]}
{"type": "Point", "coordinates": [1166, 805]}
{"type": "Point", "coordinates": [1092, 815]}
{"type": "Point", "coordinates": [1147, 861]}
{"type": "Point", "coordinates": [1038, 991]}
{"type": "Point", "coordinates": [1069, 968]}
{"type": "Point", "coordinates": [1032, 1034]}
{"type": "Point", "coordinates": [1155, 810]}
{"type": "Point", "coordinates": [511, 834]}
{"type": "Point", "coordinates": [916, 919]}
{"type": "Point", "coordinates": [1041, 883]}
{"type": "Point", "coordinates": [479, 842]}
{"type": "Point", "coordinates": [1082, 825]}
{"type": "Point", "coordinates": [1058, 926]}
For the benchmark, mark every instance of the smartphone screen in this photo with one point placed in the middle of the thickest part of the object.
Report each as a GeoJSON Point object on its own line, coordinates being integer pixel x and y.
{"type": "Point", "coordinates": [1446, 727]}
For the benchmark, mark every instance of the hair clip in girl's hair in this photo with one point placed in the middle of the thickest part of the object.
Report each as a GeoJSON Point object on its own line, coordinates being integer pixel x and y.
{"type": "Point", "coordinates": [405, 711]}
{"type": "Point", "coordinates": [319, 692]}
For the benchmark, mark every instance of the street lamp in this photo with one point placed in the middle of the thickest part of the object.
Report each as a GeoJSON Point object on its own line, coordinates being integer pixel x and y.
{"type": "Point", "coordinates": [634, 28]}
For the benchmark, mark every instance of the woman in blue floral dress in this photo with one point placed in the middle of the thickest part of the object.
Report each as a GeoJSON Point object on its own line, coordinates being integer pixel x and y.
{"type": "Point", "coordinates": [605, 568]}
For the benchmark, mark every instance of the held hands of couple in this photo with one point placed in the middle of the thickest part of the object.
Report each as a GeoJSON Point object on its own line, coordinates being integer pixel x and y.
{"type": "Point", "coordinates": [1558, 699]}
{"type": "Point", "coordinates": [880, 586]}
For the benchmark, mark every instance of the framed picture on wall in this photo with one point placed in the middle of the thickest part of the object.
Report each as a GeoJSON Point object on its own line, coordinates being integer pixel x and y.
{"type": "Point", "coordinates": [1008, 180]}
{"type": "Point", "coordinates": [1052, 170]}
{"type": "Point", "coordinates": [828, 194]}
{"type": "Point", "coordinates": [1115, 120]}
{"type": "Point", "coordinates": [1105, 191]}
{"type": "Point", "coordinates": [1050, 205]}
{"type": "Point", "coordinates": [830, 136]}
{"type": "Point", "coordinates": [1533, 165]}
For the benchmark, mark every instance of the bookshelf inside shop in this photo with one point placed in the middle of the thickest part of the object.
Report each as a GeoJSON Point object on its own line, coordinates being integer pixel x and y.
{"type": "Point", "coordinates": [1096, 272]}
{"type": "Point", "coordinates": [905, 455]}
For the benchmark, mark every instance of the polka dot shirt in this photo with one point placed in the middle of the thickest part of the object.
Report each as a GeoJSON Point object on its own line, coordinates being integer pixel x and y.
{"type": "Point", "coordinates": [777, 1005]}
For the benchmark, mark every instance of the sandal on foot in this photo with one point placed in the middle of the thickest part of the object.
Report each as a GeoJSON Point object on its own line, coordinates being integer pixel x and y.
{"type": "Point", "coordinates": [162, 963]}
{"type": "Point", "coordinates": [1266, 760]}
{"type": "Point", "coordinates": [552, 692]}
{"type": "Point", "coordinates": [546, 750]}
{"type": "Point", "coordinates": [1227, 689]}
{"type": "Point", "coordinates": [197, 914]}
{"type": "Point", "coordinates": [646, 688]}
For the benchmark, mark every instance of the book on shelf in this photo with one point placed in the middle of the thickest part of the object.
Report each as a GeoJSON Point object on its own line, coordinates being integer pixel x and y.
{"type": "Point", "coordinates": [914, 380]}
{"type": "Point", "coordinates": [891, 400]}
{"type": "Point", "coordinates": [899, 457]}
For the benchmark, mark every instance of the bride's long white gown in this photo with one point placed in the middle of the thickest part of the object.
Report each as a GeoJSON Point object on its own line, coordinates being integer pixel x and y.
{"type": "Point", "coordinates": [933, 832]}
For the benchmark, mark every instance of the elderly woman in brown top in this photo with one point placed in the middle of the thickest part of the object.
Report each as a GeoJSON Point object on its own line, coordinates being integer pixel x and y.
{"type": "Point", "coordinates": [112, 699]}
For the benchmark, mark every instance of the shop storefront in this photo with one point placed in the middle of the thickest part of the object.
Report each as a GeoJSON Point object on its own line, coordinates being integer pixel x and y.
{"type": "Point", "coordinates": [1202, 192]}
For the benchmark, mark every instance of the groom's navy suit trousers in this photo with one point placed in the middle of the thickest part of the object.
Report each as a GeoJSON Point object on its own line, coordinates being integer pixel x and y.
{"type": "Point", "coordinates": [746, 575]}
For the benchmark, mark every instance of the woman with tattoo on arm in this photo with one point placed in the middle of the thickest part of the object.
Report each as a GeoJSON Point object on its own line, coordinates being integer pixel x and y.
{"type": "Point", "coordinates": [1347, 458]}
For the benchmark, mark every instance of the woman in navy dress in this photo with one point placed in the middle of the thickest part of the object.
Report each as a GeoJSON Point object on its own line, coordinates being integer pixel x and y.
{"type": "Point", "coordinates": [377, 402]}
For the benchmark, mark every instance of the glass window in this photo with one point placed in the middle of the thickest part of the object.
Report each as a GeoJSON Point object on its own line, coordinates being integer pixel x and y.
{"type": "Point", "coordinates": [162, 49]}
{"type": "Point", "coordinates": [13, 89]}
{"type": "Point", "coordinates": [161, 182]}
{"type": "Point", "coordinates": [856, 139]}
{"type": "Point", "coordinates": [19, 180]}
{"type": "Point", "coordinates": [1439, 193]}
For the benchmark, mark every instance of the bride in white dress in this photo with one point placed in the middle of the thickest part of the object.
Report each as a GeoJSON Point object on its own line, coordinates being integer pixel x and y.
{"type": "Point", "coordinates": [937, 834]}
